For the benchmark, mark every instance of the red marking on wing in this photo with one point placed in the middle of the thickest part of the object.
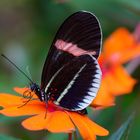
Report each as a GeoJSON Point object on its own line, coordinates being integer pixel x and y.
{"type": "Point", "coordinates": [71, 48]}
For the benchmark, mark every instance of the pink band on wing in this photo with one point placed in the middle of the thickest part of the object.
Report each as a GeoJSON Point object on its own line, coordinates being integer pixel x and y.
{"type": "Point", "coordinates": [71, 48]}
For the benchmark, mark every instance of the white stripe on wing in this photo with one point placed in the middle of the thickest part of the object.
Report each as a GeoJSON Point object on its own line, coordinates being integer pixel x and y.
{"type": "Point", "coordinates": [69, 85]}
{"type": "Point", "coordinates": [52, 79]}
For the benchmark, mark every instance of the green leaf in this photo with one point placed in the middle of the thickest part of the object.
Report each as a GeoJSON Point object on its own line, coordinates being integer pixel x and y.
{"type": "Point", "coordinates": [56, 136]}
{"type": "Point", "coordinates": [5, 137]}
{"type": "Point", "coordinates": [122, 132]}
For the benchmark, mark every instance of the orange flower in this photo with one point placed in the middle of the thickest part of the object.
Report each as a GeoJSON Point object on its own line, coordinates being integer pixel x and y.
{"type": "Point", "coordinates": [121, 47]}
{"type": "Point", "coordinates": [51, 118]}
{"type": "Point", "coordinates": [118, 49]}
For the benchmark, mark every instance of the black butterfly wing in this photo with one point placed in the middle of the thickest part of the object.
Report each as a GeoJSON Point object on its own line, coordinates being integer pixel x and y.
{"type": "Point", "coordinates": [75, 85]}
{"type": "Point", "coordinates": [79, 34]}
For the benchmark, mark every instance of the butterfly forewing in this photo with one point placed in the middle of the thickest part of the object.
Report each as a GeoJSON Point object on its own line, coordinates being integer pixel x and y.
{"type": "Point", "coordinates": [75, 85]}
{"type": "Point", "coordinates": [78, 35]}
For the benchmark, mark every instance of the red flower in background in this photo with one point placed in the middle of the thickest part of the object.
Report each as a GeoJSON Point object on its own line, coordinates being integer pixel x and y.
{"type": "Point", "coordinates": [119, 48]}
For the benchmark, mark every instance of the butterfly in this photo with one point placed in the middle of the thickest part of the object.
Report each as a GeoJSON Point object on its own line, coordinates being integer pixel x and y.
{"type": "Point", "coordinates": [71, 74]}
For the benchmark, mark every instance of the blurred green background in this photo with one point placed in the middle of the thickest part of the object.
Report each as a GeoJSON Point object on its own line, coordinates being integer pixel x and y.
{"type": "Point", "coordinates": [27, 28]}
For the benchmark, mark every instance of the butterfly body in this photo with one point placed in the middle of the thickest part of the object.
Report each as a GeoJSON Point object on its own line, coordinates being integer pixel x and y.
{"type": "Point", "coordinates": [40, 93]}
{"type": "Point", "coordinates": [71, 74]}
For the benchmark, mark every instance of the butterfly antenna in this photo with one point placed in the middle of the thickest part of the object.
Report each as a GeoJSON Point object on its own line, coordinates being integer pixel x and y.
{"type": "Point", "coordinates": [17, 67]}
{"type": "Point", "coordinates": [28, 71]}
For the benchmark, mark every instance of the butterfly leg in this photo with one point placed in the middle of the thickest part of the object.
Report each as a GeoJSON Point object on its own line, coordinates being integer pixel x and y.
{"type": "Point", "coordinates": [26, 95]}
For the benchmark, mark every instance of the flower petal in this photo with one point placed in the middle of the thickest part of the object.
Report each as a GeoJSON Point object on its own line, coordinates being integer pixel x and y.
{"type": "Point", "coordinates": [59, 121]}
{"type": "Point", "coordinates": [120, 81]}
{"type": "Point", "coordinates": [37, 122]}
{"type": "Point", "coordinates": [28, 109]}
{"type": "Point", "coordinates": [7, 100]}
{"type": "Point", "coordinates": [56, 122]}
{"type": "Point", "coordinates": [103, 98]}
{"type": "Point", "coordinates": [87, 128]}
{"type": "Point", "coordinates": [118, 42]}
{"type": "Point", "coordinates": [25, 89]}
{"type": "Point", "coordinates": [130, 54]}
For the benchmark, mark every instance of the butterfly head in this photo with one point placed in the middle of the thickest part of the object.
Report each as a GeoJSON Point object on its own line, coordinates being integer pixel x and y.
{"type": "Point", "coordinates": [40, 93]}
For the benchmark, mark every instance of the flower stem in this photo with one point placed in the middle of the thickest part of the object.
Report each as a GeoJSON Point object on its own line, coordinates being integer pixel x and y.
{"type": "Point", "coordinates": [75, 135]}
{"type": "Point", "coordinates": [133, 65]}
{"type": "Point", "coordinates": [70, 136]}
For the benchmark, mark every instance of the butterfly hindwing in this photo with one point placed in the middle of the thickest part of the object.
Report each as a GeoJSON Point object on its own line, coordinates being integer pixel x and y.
{"type": "Point", "coordinates": [75, 85]}
{"type": "Point", "coordinates": [78, 35]}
